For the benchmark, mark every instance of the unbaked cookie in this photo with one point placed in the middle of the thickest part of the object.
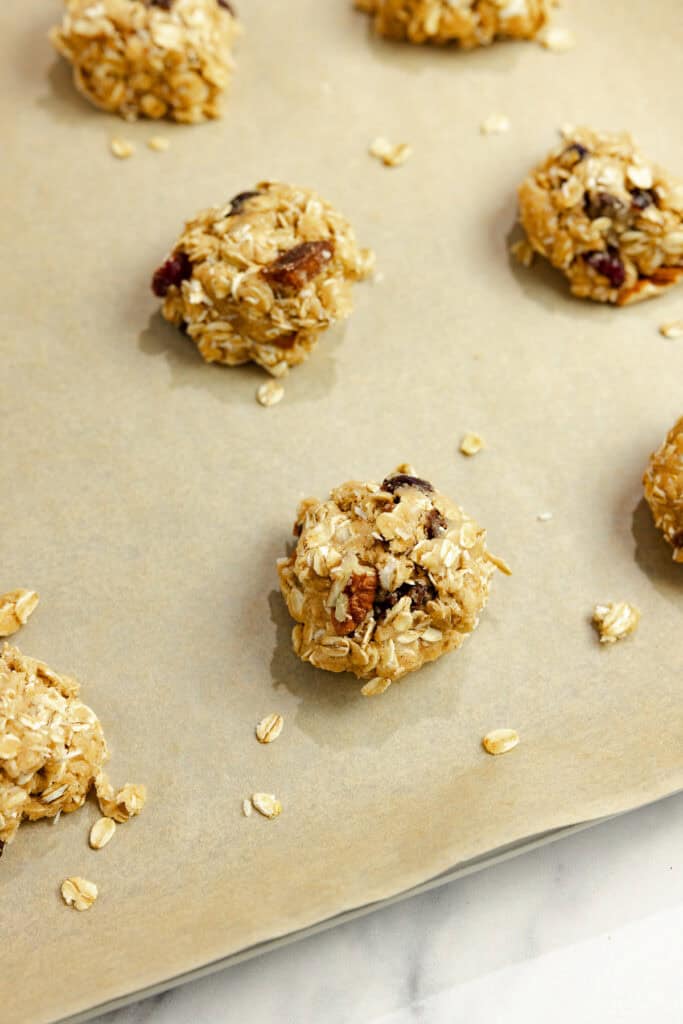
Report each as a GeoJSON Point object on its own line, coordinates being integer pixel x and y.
{"type": "Point", "coordinates": [605, 216]}
{"type": "Point", "coordinates": [51, 744]}
{"type": "Point", "coordinates": [261, 277]}
{"type": "Point", "coordinates": [384, 578]}
{"type": "Point", "coordinates": [150, 58]}
{"type": "Point", "coordinates": [663, 483]}
{"type": "Point", "coordinates": [469, 23]}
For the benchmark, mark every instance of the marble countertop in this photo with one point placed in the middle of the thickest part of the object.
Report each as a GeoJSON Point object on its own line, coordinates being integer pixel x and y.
{"type": "Point", "coordinates": [586, 929]}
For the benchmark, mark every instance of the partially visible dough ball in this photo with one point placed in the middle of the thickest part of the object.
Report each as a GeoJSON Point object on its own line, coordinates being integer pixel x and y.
{"type": "Point", "coordinates": [606, 216]}
{"type": "Point", "coordinates": [384, 578]}
{"type": "Point", "coordinates": [150, 58]}
{"type": "Point", "coordinates": [663, 483]}
{"type": "Point", "coordinates": [469, 23]}
{"type": "Point", "coordinates": [51, 745]}
{"type": "Point", "coordinates": [261, 277]}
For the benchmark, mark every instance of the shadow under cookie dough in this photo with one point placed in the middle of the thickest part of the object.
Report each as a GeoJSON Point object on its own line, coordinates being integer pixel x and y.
{"type": "Point", "coordinates": [63, 100]}
{"type": "Point", "coordinates": [312, 380]}
{"type": "Point", "coordinates": [653, 554]}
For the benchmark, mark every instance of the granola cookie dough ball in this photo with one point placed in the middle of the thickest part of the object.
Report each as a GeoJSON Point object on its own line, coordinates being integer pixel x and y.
{"type": "Point", "coordinates": [384, 578]}
{"type": "Point", "coordinates": [150, 58]}
{"type": "Point", "coordinates": [605, 216]}
{"type": "Point", "coordinates": [51, 745]}
{"type": "Point", "coordinates": [663, 483]}
{"type": "Point", "coordinates": [261, 277]}
{"type": "Point", "coordinates": [469, 23]}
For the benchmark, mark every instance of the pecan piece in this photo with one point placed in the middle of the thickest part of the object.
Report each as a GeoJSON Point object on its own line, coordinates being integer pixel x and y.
{"type": "Point", "coordinates": [296, 267]}
{"type": "Point", "coordinates": [392, 483]}
{"type": "Point", "coordinates": [360, 591]}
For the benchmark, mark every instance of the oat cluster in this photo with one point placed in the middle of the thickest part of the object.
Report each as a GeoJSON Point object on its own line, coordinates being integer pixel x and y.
{"type": "Point", "coordinates": [663, 483]}
{"type": "Point", "coordinates": [261, 277]}
{"type": "Point", "coordinates": [150, 58]}
{"type": "Point", "coordinates": [51, 744]}
{"type": "Point", "coordinates": [605, 216]}
{"type": "Point", "coordinates": [615, 620]}
{"type": "Point", "coordinates": [469, 23]}
{"type": "Point", "coordinates": [384, 578]}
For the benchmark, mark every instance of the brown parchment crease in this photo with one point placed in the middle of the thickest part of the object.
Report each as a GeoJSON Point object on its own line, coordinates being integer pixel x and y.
{"type": "Point", "coordinates": [146, 495]}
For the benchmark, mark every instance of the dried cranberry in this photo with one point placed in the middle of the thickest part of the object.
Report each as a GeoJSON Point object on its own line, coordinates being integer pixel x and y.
{"type": "Point", "coordinates": [238, 201]}
{"type": "Point", "coordinates": [392, 483]}
{"type": "Point", "coordinates": [173, 272]}
{"type": "Point", "coordinates": [678, 539]}
{"type": "Point", "coordinates": [641, 198]}
{"type": "Point", "coordinates": [296, 267]}
{"type": "Point", "coordinates": [435, 524]}
{"type": "Point", "coordinates": [608, 264]}
{"type": "Point", "coordinates": [602, 204]}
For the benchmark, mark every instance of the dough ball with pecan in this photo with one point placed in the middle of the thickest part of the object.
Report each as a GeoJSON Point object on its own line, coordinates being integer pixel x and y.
{"type": "Point", "coordinates": [51, 745]}
{"type": "Point", "coordinates": [469, 23]}
{"type": "Point", "coordinates": [384, 578]}
{"type": "Point", "coordinates": [150, 58]}
{"type": "Point", "coordinates": [663, 483]}
{"type": "Point", "coordinates": [261, 277]}
{"type": "Point", "coordinates": [605, 216]}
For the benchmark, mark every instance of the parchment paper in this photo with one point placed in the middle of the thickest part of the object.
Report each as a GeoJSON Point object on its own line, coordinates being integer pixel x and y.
{"type": "Point", "coordinates": [146, 495]}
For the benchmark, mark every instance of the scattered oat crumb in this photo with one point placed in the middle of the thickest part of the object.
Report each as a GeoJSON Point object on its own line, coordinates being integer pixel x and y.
{"type": "Point", "coordinates": [375, 687]}
{"type": "Point", "coordinates": [15, 608]}
{"type": "Point", "coordinates": [269, 728]}
{"type": "Point", "coordinates": [544, 517]}
{"type": "Point", "coordinates": [159, 143]}
{"type": "Point", "coordinates": [102, 832]}
{"type": "Point", "coordinates": [267, 805]}
{"type": "Point", "coordinates": [499, 741]}
{"type": "Point", "coordinates": [391, 154]}
{"type": "Point", "coordinates": [500, 563]}
{"type": "Point", "coordinates": [523, 252]}
{"type": "Point", "coordinates": [270, 393]}
{"type": "Point", "coordinates": [79, 893]}
{"type": "Point", "coordinates": [615, 620]}
{"type": "Point", "coordinates": [122, 148]}
{"type": "Point", "coordinates": [672, 329]}
{"type": "Point", "coordinates": [126, 803]}
{"type": "Point", "coordinates": [558, 39]}
{"type": "Point", "coordinates": [495, 124]}
{"type": "Point", "coordinates": [471, 444]}
{"type": "Point", "coordinates": [247, 808]}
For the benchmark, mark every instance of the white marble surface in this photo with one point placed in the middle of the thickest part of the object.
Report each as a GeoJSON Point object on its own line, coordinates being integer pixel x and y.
{"type": "Point", "coordinates": [588, 929]}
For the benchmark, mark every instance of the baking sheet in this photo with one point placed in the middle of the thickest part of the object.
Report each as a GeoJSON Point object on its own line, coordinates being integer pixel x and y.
{"type": "Point", "coordinates": [146, 495]}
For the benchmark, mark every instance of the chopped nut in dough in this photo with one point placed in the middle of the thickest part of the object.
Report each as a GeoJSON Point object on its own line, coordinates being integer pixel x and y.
{"type": "Point", "coordinates": [391, 154]}
{"type": "Point", "coordinates": [79, 893]}
{"type": "Point", "coordinates": [15, 608]}
{"type": "Point", "coordinates": [469, 23]}
{"type": "Point", "coordinates": [261, 277]}
{"type": "Point", "coordinates": [165, 58]}
{"type": "Point", "coordinates": [385, 577]}
{"type": "Point", "coordinates": [663, 484]}
{"type": "Point", "coordinates": [606, 216]}
{"type": "Point", "coordinates": [615, 620]}
{"type": "Point", "coordinates": [499, 741]}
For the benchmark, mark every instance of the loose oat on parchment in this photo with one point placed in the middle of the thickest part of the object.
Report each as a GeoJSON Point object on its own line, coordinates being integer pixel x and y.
{"type": "Point", "coordinates": [52, 747]}
{"type": "Point", "coordinates": [262, 277]}
{"type": "Point", "coordinates": [391, 154]}
{"type": "Point", "coordinates": [159, 58]}
{"type": "Point", "coordinates": [270, 393]}
{"type": "Point", "coordinates": [269, 728]}
{"type": "Point", "coordinates": [500, 741]}
{"type": "Point", "coordinates": [267, 805]}
{"type": "Point", "coordinates": [122, 149]}
{"type": "Point", "coordinates": [495, 124]}
{"type": "Point", "coordinates": [663, 486]}
{"type": "Point", "coordinates": [672, 329]}
{"type": "Point", "coordinates": [557, 39]}
{"type": "Point", "coordinates": [606, 216]}
{"type": "Point", "coordinates": [15, 608]}
{"type": "Point", "coordinates": [385, 578]}
{"type": "Point", "coordinates": [471, 444]}
{"type": "Point", "coordinates": [615, 620]}
{"type": "Point", "coordinates": [469, 23]}
{"type": "Point", "coordinates": [102, 833]}
{"type": "Point", "coordinates": [78, 893]}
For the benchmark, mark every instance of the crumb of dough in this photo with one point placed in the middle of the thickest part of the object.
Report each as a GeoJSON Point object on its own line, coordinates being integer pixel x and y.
{"type": "Point", "coordinates": [672, 329]}
{"type": "Point", "coordinates": [122, 148]}
{"type": "Point", "coordinates": [385, 577]}
{"type": "Point", "coordinates": [606, 216]}
{"type": "Point", "coordinates": [262, 277]}
{"type": "Point", "coordinates": [270, 393]}
{"type": "Point", "coordinates": [469, 23]}
{"type": "Point", "coordinates": [471, 444]}
{"type": "Point", "coordinates": [495, 124]}
{"type": "Point", "coordinates": [389, 153]}
{"type": "Point", "coordinates": [15, 608]}
{"type": "Point", "coordinates": [162, 58]}
{"type": "Point", "coordinates": [615, 620]}
{"type": "Point", "coordinates": [663, 486]}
